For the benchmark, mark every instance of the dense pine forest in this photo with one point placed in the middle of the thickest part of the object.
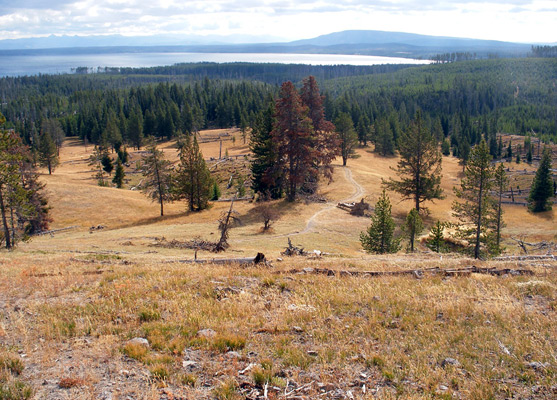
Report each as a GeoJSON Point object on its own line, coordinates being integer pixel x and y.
{"type": "Point", "coordinates": [462, 101]}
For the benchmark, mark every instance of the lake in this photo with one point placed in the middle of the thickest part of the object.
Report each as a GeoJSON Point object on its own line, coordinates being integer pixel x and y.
{"type": "Point", "coordinates": [20, 65]}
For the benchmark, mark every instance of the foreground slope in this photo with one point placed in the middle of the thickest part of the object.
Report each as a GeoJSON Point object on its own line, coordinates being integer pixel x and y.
{"type": "Point", "coordinates": [72, 301]}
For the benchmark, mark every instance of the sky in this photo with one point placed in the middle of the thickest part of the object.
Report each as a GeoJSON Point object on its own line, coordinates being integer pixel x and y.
{"type": "Point", "coordinates": [528, 21]}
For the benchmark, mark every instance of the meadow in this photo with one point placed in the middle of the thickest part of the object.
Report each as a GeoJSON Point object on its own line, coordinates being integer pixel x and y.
{"type": "Point", "coordinates": [107, 313]}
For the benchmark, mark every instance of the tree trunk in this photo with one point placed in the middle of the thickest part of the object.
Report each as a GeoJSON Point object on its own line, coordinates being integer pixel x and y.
{"type": "Point", "coordinates": [5, 222]}
{"type": "Point", "coordinates": [479, 221]}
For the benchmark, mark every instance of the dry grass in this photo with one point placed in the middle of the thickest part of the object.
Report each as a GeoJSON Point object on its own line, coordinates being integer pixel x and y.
{"type": "Point", "coordinates": [70, 303]}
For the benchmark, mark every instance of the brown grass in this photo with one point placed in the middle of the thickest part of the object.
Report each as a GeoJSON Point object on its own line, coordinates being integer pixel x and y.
{"type": "Point", "coordinates": [71, 302]}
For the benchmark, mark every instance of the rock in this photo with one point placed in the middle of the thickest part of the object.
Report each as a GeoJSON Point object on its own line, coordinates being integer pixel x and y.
{"type": "Point", "coordinates": [233, 354]}
{"type": "Point", "coordinates": [537, 365]}
{"type": "Point", "coordinates": [443, 388]}
{"type": "Point", "coordinates": [190, 366]}
{"type": "Point", "coordinates": [207, 333]}
{"type": "Point", "coordinates": [450, 361]}
{"type": "Point", "coordinates": [248, 368]}
{"type": "Point", "coordinates": [140, 341]}
{"type": "Point", "coordinates": [297, 329]}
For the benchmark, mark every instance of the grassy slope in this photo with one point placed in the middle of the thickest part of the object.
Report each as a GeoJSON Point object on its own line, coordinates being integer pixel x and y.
{"type": "Point", "coordinates": [71, 301]}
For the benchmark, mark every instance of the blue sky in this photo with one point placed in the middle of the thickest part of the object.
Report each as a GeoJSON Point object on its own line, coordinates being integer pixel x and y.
{"type": "Point", "coordinates": [509, 20]}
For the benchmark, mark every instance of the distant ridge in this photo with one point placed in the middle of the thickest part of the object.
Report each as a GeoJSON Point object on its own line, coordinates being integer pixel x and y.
{"type": "Point", "coordinates": [364, 42]}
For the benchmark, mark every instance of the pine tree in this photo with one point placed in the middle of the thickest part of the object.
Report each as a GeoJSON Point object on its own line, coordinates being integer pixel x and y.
{"type": "Point", "coordinates": [542, 186]}
{"type": "Point", "coordinates": [119, 174]}
{"type": "Point", "coordinates": [419, 167]}
{"type": "Point", "coordinates": [510, 151]}
{"type": "Point", "coordinates": [475, 210]}
{"type": "Point", "coordinates": [192, 179]}
{"type": "Point", "coordinates": [23, 205]}
{"type": "Point", "coordinates": [106, 162]}
{"type": "Point", "coordinates": [414, 226]}
{"type": "Point", "coordinates": [384, 140]}
{"type": "Point", "coordinates": [500, 183]}
{"type": "Point", "coordinates": [266, 171]}
{"type": "Point", "coordinates": [215, 193]}
{"type": "Point", "coordinates": [347, 135]}
{"type": "Point", "coordinates": [135, 129]}
{"type": "Point", "coordinates": [157, 172]}
{"type": "Point", "coordinates": [379, 237]}
{"type": "Point", "coordinates": [292, 135]}
{"type": "Point", "coordinates": [95, 160]}
{"type": "Point", "coordinates": [324, 140]}
{"type": "Point", "coordinates": [48, 154]}
{"type": "Point", "coordinates": [436, 240]}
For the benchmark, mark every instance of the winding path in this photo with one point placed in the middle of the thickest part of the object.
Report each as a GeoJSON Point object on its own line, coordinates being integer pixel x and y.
{"type": "Point", "coordinates": [359, 191]}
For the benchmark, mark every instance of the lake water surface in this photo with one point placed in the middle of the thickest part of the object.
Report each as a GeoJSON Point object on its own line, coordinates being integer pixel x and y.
{"type": "Point", "coordinates": [20, 65]}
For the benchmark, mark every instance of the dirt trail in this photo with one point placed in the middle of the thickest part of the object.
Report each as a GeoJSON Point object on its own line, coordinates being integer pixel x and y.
{"type": "Point", "coordinates": [359, 191]}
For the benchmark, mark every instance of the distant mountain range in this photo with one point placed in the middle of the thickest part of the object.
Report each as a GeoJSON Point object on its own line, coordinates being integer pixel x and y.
{"type": "Point", "coordinates": [368, 42]}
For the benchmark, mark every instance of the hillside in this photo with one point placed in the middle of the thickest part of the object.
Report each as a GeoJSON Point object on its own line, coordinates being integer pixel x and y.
{"type": "Point", "coordinates": [71, 301]}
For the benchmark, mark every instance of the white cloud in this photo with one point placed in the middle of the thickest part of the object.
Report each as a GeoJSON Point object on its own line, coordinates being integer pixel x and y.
{"type": "Point", "coordinates": [513, 20]}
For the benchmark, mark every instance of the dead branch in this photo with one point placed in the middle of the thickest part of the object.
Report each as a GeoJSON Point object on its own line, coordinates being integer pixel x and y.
{"type": "Point", "coordinates": [292, 250]}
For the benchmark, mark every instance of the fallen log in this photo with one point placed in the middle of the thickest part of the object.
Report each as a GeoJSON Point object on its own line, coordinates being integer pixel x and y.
{"type": "Point", "coordinates": [258, 259]}
{"type": "Point", "coordinates": [532, 257]}
{"type": "Point", "coordinates": [418, 273]}
{"type": "Point", "coordinates": [53, 231]}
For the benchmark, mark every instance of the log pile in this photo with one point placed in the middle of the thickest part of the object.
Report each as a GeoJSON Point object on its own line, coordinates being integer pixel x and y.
{"type": "Point", "coordinates": [359, 209]}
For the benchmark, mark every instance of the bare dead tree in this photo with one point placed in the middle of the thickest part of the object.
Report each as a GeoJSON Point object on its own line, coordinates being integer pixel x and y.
{"type": "Point", "coordinates": [226, 221]}
{"type": "Point", "coordinates": [268, 215]}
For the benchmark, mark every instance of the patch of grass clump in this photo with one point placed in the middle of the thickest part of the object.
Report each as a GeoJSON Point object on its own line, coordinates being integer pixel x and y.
{"type": "Point", "coordinates": [148, 315]}
{"type": "Point", "coordinates": [12, 364]}
{"type": "Point", "coordinates": [227, 390]}
{"type": "Point", "coordinates": [188, 379]}
{"type": "Point", "coordinates": [159, 372]}
{"type": "Point", "coordinates": [15, 390]}
{"type": "Point", "coordinates": [135, 350]}
{"type": "Point", "coordinates": [222, 344]}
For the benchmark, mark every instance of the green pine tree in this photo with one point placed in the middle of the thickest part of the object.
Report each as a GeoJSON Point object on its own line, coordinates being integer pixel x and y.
{"type": "Point", "coordinates": [379, 237]}
{"type": "Point", "coordinates": [413, 226]}
{"type": "Point", "coordinates": [436, 239]}
{"type": "Point", "coordinates": [192, 179]}
{"type": "Point", "coordinates": [48, 153]}
{"type": "Point", "coordinates": [157, 173]}
{"type": "Point", "coordinates": [542, 186]}
{"type": "Point", "coordinates": [419, 167]}
{"type": "Point", "coordinates": [119, 174]}
{"type": "Point", "coordinates": [475, 207]}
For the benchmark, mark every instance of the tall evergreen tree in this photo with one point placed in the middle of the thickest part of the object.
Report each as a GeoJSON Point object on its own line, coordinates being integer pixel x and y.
{"type": "Point", "coordinates": [500, 184]}
{"type": "Point", "coordinates": [157, 172]}
{"type": "Point", "coordinates": [192, 179]}
{"type": "Point", "coordinates": [48, 153]}
{"type": "Point", "coordinates": [119, 174]}
{"type": "Point", "coordinates": [379, 237]}
{"type": "Point", "coordinates": [266, 171]}
{"type": "Point", "coordinates": [542, 185]}
{"type": "Point", "coordinates": [475, 207]}
{"type": "Point", "coordinates": [419, 167]}
{"type": "Point", "coordinates": [23, 205]}
{"type": "Point", "coordinates": [347, 135]}
{"type": "Point", "coordinates": [384, 140]}
{"type": "Point", "coordinates": [135, 129]}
